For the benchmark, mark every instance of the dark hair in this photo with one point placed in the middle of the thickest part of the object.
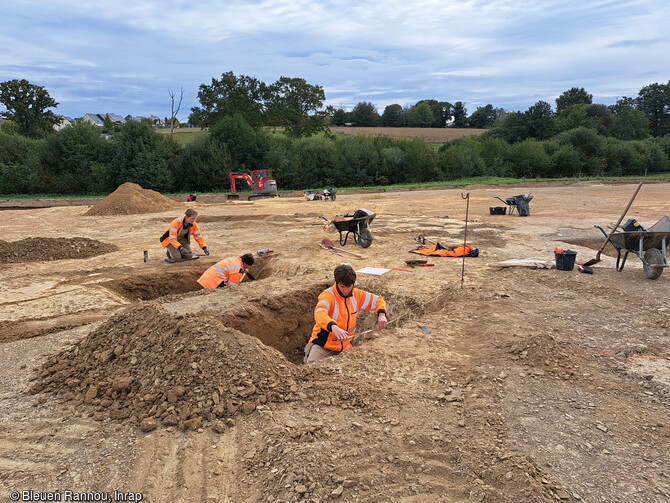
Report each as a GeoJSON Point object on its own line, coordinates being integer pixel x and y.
{"type": "Point", "coordinates": [248, 259]}
{"type": "Point", "coordinates": [345, 275]}
{"type": "Point", "coordinates": [190, 212]}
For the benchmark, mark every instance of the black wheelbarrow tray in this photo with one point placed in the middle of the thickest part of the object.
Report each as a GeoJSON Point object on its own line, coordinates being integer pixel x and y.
{"type": "Point", "coordinates": [649, 247]}
{"type": "Point", "coordinates": [359, 227]}
{"type": "Point", "coordinates": [511, 201]}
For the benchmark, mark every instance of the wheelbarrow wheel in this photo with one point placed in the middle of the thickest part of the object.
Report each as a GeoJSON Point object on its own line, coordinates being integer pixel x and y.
{"type": "Point", "coordinates": [653, 256]}
{"type": "Point", "coordinates": [365, 238]}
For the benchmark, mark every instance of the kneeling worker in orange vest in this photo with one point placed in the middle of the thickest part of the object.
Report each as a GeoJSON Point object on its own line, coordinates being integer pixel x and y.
{"type": "Point", "coordinates": [228, 272]}
{"type": "Point", "coordinates": [177, 239]}
{"type": "Point", "coordinates": [336, 312]}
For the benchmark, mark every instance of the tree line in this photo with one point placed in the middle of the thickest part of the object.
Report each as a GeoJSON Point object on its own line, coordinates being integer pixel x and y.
{"type": "Point", "coordinates": [578, 139]}
{"type": "Point", "coordinates": [652, 104]}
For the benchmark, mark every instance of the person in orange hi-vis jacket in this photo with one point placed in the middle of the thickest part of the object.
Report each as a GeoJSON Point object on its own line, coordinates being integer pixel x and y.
{"type": "Point", "coordinates": [335, 315]}
{"type": "Point", "coordinates": [177, 238]}
{"type": "Point", "coordinates": [227, 272]}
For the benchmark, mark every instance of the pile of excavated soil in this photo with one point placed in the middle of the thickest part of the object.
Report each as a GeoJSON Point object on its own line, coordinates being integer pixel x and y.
{"type": "Point", "coordinates": [130, 199]}
{"type": "Point", "coordinates": [42, 249]}
{"type": "Point", "coordinates": [151, 368]}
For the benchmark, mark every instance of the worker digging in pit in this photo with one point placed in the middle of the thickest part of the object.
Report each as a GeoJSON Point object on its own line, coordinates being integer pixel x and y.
{"type": "Point", "coordinates": [336, 313]}
{"type": "Point", "coordinates": [177, 239]}
{"type": "Point", "coordinates": [227, 272]}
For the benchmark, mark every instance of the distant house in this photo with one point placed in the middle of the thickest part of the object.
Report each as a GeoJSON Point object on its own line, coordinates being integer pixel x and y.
{"type": "Point", "coordinates": [95, 119]}
{"type": "Point", "coordinates": [156, 121]}
{"type": "Point", "coordinates": [116, 119]}
{"type": "Point", "coordinates": [64, 122]}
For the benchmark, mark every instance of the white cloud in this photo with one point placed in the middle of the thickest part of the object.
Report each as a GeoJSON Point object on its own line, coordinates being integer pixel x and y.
{"type": "Point", "coordinates": [502, 52]}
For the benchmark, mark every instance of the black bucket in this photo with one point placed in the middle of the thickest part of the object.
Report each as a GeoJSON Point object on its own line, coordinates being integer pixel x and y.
{"type": "Point", "coordinates": [565, 261]}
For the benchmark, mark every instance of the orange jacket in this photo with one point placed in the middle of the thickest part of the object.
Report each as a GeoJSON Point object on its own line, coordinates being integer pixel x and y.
{"type": "Point", "coordinates": [229, 271]}
{"type": "Point", "coordinates": [333, 309]}
{"type": "Point", "coordinates": [169, 237]}
{"type": "Point", "coordinates": [437, 250]}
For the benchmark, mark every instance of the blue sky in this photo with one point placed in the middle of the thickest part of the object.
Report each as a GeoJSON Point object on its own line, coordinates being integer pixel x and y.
{"type": "Point", "coordinates": [123, 56]}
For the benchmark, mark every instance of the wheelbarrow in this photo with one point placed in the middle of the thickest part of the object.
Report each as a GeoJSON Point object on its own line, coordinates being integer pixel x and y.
{"type": "Point", "coordinates": [359, 226]}
{"type": "Point", "coordinates": [519, 202]}
{"type": "Point", "coordinates": [649, 247]}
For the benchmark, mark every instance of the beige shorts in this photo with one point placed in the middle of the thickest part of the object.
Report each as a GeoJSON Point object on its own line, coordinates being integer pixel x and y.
{"type": "Point", "coordinates": [314, 353]}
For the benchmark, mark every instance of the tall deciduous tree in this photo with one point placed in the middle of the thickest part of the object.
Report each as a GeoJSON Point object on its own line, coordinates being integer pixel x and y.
{"type": "Point", "coordinates": [365, 114]}
{"type": "Point", "coordinates": [574, 96]}
{"type": "Point", "coordinates": [27, 105]}
{"type": "Point", "coordinates": [339, 117]}
{"type": "Point", "coordinates": [654, 101]}
{"type": "Point", "coordinates": [539, 120]}
{"type": "Point", "coordinates": [460, 115]}
{"type": "Point", "coordinates": [228, 96]}
{"type": "Point", "coordinates": [622, 104]}
{"type": "Point", "coordinates": [442, 112]}
{"type": "Point", "coordinates": [484, 117]}
{"type": "Point", "coordinates": [143, 156]}
{"type": "Point", "coordinates": [393, 116]}
{"type": "Point", "coordinates": [422, 115]}
{"type": "Point", "coordinates": [295, 105]}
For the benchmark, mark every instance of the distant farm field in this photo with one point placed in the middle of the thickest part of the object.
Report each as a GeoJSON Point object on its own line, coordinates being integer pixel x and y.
{"type": "Point", "coordinates": [184, 135]}
{"type": "Point", "coordinates": [429, 135]}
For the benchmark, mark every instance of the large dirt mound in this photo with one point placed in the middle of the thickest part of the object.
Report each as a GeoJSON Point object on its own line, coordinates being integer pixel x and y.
{"type": "Point", "coordinates": [130, 199]}
{"type": "Point", "coordinates": [151, 367]}
{"type": "Point", "coordinates": [41, 249]}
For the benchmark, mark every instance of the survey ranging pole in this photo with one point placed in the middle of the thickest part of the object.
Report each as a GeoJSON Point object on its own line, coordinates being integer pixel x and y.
{"type": "Point", "coordinates": [465, 234]}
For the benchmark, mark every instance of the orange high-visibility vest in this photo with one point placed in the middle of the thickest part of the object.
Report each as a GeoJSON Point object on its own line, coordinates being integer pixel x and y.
{"type": "Point", "coordinates": [228, 272]}
{"type": "Point", "coordinates": [333, 309]}
{"type": "Point", "coordinates": [437, 250]}
{"type": "Point", "coordinates": [170, 236]}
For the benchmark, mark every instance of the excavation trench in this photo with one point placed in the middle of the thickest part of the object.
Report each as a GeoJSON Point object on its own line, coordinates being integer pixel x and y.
{"type": "Point", "coordinates": [285, 322]}
{"type": "Point", "coordinates": [153, 286]}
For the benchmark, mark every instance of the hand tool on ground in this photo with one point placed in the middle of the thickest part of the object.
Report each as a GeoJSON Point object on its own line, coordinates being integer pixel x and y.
{"type": "Point", "coordinates": [418, 263]}
{"type": "Point", "coordinates": [609, 236]}
{"type": "Point", "coordinates": [329, 244]}
{"type": "Point", "coordinates": [424, 328]}
{"type": "Point", "coordinates": [331, 251]}
{"type": "Point", "coordinates": [398, 269]}
{"type": "Point", "coordinates": [422, 240]}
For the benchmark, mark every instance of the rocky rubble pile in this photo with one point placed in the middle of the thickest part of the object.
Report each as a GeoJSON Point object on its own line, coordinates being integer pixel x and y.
{"type": "Point", "coordinates": [150, 367]}
{"type": "Point", "coordinates": [42, 249]}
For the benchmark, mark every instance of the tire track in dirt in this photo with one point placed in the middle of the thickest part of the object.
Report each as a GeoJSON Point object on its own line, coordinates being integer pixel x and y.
{"type": "Point", "coordinates": [176, 467]}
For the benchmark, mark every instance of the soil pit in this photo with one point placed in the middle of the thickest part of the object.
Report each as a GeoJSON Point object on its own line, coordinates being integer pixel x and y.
{"type": "Point", "coordinates": [152, 286]}
{"type": "Point", "coordinates": [47, 249]}
{"type": "Point", "coordinates": [283, 322]}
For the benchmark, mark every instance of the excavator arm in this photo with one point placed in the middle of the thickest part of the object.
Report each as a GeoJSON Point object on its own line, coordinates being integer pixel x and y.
{"type": "Point", "coordinates": [238, 176]}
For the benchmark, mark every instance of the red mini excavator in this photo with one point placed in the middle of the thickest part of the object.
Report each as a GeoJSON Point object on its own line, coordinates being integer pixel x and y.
{"type": "Point", "coordinates": [261, 182]}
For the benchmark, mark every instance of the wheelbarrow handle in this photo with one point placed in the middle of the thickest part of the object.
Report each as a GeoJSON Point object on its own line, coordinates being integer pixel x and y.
{"type": "Point", "coordinates": [601, 230]}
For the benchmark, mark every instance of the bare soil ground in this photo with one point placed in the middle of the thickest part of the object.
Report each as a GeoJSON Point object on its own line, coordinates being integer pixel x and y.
{"type": "Point", "coordinates": [533, 385]}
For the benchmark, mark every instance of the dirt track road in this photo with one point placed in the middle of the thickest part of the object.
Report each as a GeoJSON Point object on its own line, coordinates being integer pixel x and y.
{"type": "Point", "coordinates": [533, 385]}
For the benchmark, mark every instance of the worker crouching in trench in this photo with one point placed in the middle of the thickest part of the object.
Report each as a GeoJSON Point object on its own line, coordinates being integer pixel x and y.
{"type": "Point", "coordinates": [335, 315]}
{"type": "Point", "coordinates": [227, 272]}
{"type": "Point", "coordinates": [177, 238]}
